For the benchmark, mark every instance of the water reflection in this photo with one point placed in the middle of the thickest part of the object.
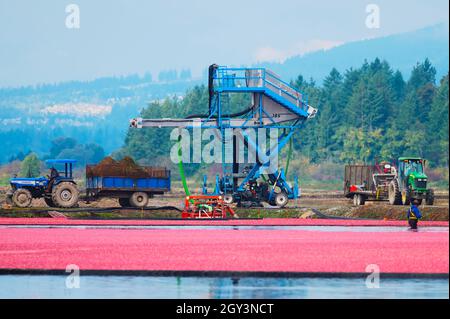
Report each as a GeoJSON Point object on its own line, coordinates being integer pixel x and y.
{"type": "Point", "coordinates": [37, 286]}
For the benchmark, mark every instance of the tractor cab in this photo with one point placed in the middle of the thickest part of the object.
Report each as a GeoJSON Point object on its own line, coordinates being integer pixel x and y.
{"type": "Point", "coordinates": [61, 169]}
{"type": "Point", "coordinates": [58, 189]}
{"type": "Point", "coordinates": [411, 173]}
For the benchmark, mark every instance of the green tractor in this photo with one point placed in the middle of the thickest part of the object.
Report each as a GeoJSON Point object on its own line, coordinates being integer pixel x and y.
{"type": "Point", "coordinates": [410, 183]}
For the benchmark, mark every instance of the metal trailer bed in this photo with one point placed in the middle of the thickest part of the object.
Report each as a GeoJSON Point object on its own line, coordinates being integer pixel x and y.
{"type": "Point", "coordinates": [371, 184]}
{"type": "Point", "coordinates": [131, 191]}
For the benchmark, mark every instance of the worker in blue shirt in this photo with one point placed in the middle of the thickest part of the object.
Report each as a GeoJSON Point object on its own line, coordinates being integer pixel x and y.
{"type": "Point", "coordinates": [414, 214]}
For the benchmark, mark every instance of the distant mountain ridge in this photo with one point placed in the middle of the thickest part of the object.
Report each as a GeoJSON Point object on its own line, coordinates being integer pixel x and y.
{"type": "Point", "coordinates": [402, 51]}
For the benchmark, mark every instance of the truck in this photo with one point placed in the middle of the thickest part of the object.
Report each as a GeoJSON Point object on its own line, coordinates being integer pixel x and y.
{"type": "Point", "coordinates": [58, 189]}
{"type": "Point", "coordinates": [132, 186]}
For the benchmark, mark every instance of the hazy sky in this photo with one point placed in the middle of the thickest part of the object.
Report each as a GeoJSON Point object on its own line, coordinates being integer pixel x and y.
{"type": "Point", "coordinates": [134, 36]}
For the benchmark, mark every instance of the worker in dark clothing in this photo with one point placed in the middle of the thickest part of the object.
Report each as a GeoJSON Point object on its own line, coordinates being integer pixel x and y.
{"type": "Point", "coordinates": [414, 214]}
{"type": "Point", "coordinates": [53, 174]}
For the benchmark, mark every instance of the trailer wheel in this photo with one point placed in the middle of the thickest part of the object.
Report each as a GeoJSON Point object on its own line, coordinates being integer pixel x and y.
{"type": "Point", "coordinates": [359, 200]}
{"type": "Point", "coordinates": [281, 199]}
{"type": "Point", "coordinates": [65, 195]}
{"type": "Point", "coordinates": [139, 199]}
{"type": "Point", "coordinates": [395, 197]}
{"type": "Point", "coordinates": [22, 198]}
{"type": "Point", "coordinates": [362, 200]}
{"type": "Point", "coordinates": [124, 202]}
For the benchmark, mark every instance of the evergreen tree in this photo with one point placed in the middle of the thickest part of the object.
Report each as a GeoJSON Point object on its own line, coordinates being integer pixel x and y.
{"type": "Point", "coordinates": [30, 166]}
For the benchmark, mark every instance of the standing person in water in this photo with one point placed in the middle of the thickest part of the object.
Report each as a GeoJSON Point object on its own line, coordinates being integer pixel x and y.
{"type": "Point", "coordinates": [414, 214]}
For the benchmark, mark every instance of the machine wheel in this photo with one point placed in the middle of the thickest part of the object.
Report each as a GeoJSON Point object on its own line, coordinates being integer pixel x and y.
{"type": "Point", "coordinates": [429, 200]}
{"type": "Point", "coordinates": [22, 197]}
{"type": "Point", "coordinates": [228, 199]}
{"type": "Point", "coordinates": [359, 200]}
{"type": "Point", "coordinates": [395, 197]}
{"type": "Point", "coordinates": [124, 202]}
{"type": "Point", "coordinates": [139, 199]}
{"type": "Point", "coordinates": [65, 195]}
{"type": "Point", "coordinates": [281, 199]}
{"type": "Point", "coordinates": [406, 197]}
{"type": "Point", "coordinates": [49, 202]}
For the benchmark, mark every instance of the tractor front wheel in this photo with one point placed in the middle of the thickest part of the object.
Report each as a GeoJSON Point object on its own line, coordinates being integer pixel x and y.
{"type": "Point", "coordinates": [429, 200]}
{"type": "Point", "coordinates": [65, 195]}
{"type": "Point", "coordinates": [22, 198]}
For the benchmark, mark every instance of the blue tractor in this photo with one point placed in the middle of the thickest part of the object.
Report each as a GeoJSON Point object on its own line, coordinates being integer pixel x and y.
{"type": "Point", "coordinates": [57, 189]}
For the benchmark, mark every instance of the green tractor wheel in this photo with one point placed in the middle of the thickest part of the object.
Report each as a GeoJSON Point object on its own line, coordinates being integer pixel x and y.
{"type": "Point", "coordinates": [429, 200]}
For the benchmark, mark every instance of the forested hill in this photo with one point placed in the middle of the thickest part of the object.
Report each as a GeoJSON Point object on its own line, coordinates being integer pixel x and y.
{"type": "Point", "coordinates": [364, 113]}
{"type": "Point", "coordinates": [89, 112]}
{"type": "Point", "coordinates": [401, 50]}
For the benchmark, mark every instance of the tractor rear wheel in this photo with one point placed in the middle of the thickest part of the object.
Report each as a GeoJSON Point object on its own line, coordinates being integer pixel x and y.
{"type": "Point", "coordinates": [395, 197]}
{"type": "Point", "coordinates": [65, 195]}
{"type": "Point", "coordinates": [139, 199]}
{"type": "Point", "coordinates": [22, 198]}
{"type": "Point", "coordinates": [429, 200]}
{"type": "Point", "coordinates": [124, 202]}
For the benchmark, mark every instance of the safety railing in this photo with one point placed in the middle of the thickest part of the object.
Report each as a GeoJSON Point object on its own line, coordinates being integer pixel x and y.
{"type": "Point", "coordinates": [256, 79]}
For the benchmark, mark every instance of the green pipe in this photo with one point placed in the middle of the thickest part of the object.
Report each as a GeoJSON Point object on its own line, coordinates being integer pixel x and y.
{"type": "Point", "coordinates": [181, 168]}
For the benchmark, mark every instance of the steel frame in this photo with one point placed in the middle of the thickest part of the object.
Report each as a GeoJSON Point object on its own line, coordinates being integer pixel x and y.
{"type": "Point", "coordinates": [291, 107]}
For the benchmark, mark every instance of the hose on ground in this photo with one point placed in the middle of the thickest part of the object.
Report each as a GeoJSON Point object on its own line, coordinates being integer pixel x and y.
{"type": "Point", "coordinates": [325, 216]}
